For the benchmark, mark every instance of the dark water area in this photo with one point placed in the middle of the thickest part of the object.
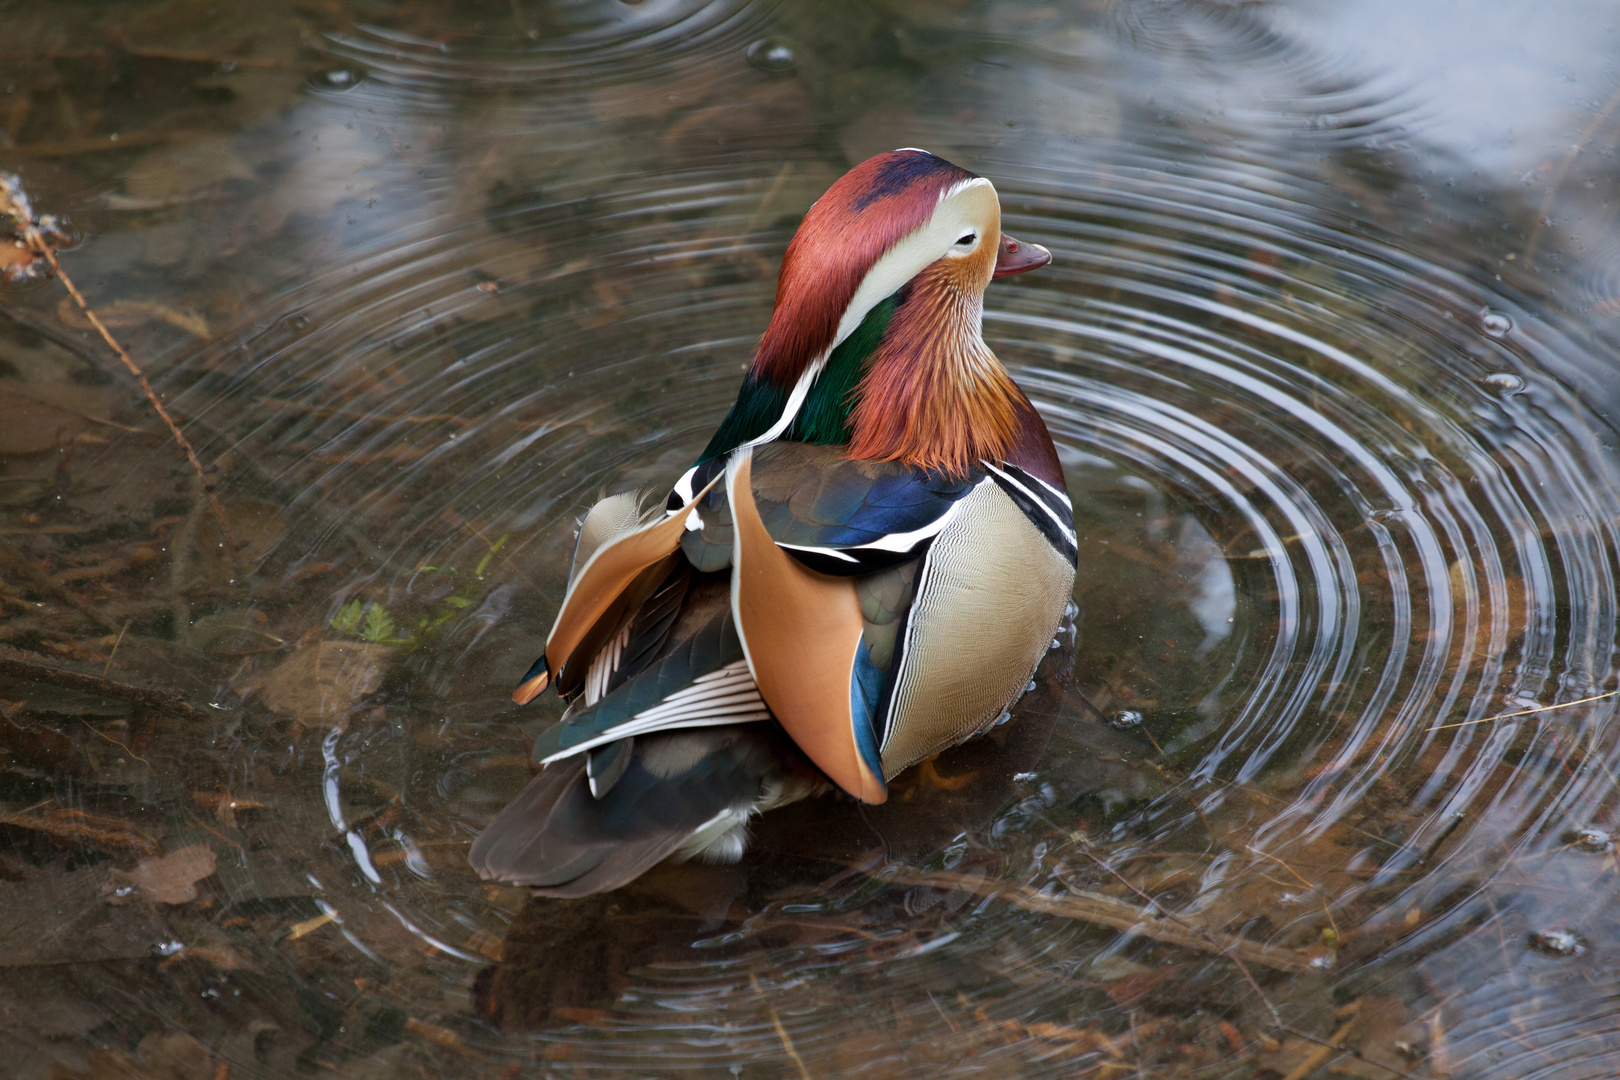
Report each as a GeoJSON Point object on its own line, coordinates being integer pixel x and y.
{"type": "Point", "coordinates": [1324, 782]}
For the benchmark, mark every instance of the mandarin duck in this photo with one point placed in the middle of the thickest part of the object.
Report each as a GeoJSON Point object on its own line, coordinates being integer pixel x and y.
{"type": "Point", "coordinates": [863, 568]}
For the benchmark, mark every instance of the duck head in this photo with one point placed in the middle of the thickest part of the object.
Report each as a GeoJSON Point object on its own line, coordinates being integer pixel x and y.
{"type": "Point", "coordinates": [876, 229]}
{"type": "Point", "coordinates": [875, 337]}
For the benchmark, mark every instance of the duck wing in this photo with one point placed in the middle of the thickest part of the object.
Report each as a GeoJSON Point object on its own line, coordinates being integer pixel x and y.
{"type": "Point", "coordinates": [677, 793]}
{"type": "Point", "coordinates": [678, 668]}
{"type": "Point", "coordinates": [657, 757]}
{"type": "Point", "coordinates": [620, 558]}
{"type": "Point", "coordinates": [879, 613]}
{"type": "Point", "coordinates": [835, 514]}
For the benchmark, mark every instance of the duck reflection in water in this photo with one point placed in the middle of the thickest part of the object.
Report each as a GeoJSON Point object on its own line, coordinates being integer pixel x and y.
{"type": "Point", "coordinates": [863, 568]}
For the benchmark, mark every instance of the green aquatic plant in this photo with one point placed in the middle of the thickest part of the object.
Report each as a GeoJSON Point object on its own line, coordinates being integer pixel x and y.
{"type": "Point", "coordinates": [368, 621]}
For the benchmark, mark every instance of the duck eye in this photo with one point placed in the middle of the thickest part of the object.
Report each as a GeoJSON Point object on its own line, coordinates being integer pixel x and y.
{"type": "Point", "coordinates": [966, 239]}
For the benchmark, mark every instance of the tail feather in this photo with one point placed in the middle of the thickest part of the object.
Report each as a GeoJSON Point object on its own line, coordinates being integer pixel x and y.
{"type": "Point", "coordinates": [560, 840]}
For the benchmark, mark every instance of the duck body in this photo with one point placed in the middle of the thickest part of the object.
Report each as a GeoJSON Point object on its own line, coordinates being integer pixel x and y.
{"type": "Point", "coordinates": [864, 567]}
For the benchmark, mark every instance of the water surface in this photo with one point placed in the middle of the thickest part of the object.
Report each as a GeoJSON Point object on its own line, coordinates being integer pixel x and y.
{"type": "Point", "coordinates": [1321, 783]}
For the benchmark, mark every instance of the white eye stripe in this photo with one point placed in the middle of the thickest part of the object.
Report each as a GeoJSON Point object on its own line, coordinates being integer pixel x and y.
{"type": "Point", "coordinates": [969, 206]}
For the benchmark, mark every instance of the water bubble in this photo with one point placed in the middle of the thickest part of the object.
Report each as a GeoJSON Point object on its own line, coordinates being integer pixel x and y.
{"type": "Point", "coordinates": [1590, 838]}
{"type": "Point", "coordinates": [1125, 719]}
{"type": "Point", "coordinates": [335, 79]}
{"type": "Point", "coordinates": [1505, 381]}
{"type": "Point", "coordinates": [1389, 514]}
{"type": "Point", "coordinates": [1494, 323]}
{"type": "Point", "coordinates": [769, 54]}
{"type": "Point", "coordinates": [1557, 943]}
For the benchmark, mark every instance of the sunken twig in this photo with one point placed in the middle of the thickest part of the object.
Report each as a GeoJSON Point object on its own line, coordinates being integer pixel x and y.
{"type": "Point", "coordinates": [41, 236]}
{"type": "Point", "coordinates": [18, 666]}
{"type": "Point", "coordinates": [1102, 910]}
{"type": "Point", "coordinates": [1331, 1044]}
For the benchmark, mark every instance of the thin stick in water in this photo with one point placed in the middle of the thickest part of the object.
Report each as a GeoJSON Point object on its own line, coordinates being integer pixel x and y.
{"type": "Point", "coordinates": [14, 202]}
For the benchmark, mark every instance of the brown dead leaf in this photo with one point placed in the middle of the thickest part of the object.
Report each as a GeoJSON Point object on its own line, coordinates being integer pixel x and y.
{"type": "Point", "coordinates": [439, 1036]}
{"type": "Point", "coordinates": [308, 926]}
{"type": "Point", "coordinates": [220, 957]}
{"type": "Point", "coordinates": [322, 683]}
{"type": "Point", "coordinates": [176, 1056]}
{"type": "Point", "coordinates": [172, 878]}
{"type": "Point", "coordinates": [179, 172]}
{"type": "Point", "coordinates": [14, 254]}
{"type": "Point", "coordinates": [1382, 1029]}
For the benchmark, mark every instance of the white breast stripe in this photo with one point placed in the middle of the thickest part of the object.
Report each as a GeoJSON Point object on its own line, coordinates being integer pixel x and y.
{"type": "Point", "coordinates": [1063, 495]}
{"type": "Point", "coordinates": [1064, 528]}
{"type": "Point", "coordinates": [725, 696]}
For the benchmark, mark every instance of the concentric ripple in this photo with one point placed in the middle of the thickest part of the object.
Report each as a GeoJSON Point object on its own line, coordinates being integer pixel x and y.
{"type": "Point", "coordinates": [1341, 672]}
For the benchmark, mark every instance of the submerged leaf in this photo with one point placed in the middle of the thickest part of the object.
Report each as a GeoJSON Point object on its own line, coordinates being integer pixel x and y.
{"type": "Point", "coordinates": [172, 878]}
{"type": "Point", "coordinates": [322, 683]}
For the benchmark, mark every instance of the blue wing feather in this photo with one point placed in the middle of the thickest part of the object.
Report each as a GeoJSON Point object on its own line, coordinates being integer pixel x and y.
{"type": "Point", "coordinates": [836, 515]}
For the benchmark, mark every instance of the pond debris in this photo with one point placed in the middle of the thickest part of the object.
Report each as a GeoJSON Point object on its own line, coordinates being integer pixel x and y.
{"type": "Point", "coordinates": [224, 805]}
{"type": "Point", "coordinates": [1590, 839]}
{"type": "Point", "coordinates": [166, 879]}
{"type": "Point", "coordinates": [1334, 1043]}
{"type": "Point", "coordinates": [781, 1032]}
{"type": "Point", "coordinates": [124, 313]}
{"type": "Point", "coordinates": [1557, 942]}
{"type": "Point", "coordinates": [310, 925]}
{"type": "Point", "coordinates": [1527, 712]}
{"type": "Point", "coordinates": [41, 236]}
{"type": "Point", "coordinates": [324, 682]}
{"type": "Point", "coordinates": [16, 664]}
{"type": "Point", "coordinates": [175, 1056]}
{"type": "Point", "coordinates": [1116, 914]}
{"type": "Point", "coordinates": [78, 828]}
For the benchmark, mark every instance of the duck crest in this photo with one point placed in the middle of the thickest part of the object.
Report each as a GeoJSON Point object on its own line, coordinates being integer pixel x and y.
{"type": "Point", "coordinates": [864, 214]}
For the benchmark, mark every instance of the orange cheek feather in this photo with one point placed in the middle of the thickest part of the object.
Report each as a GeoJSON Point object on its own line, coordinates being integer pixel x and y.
{"type": "Point", "coordinates": [934, 396]}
